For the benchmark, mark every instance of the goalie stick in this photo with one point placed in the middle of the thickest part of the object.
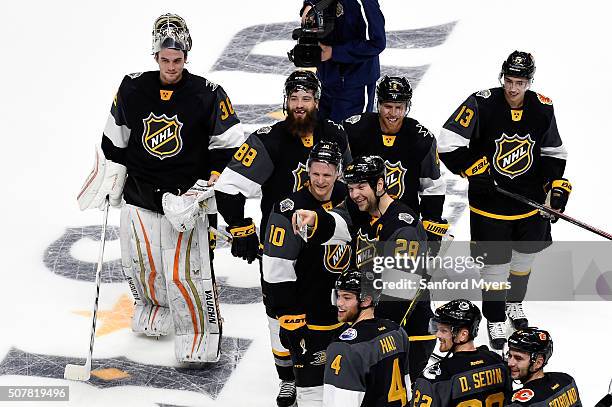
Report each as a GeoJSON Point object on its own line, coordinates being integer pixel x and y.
{"type": "Point", "coordinates": [554, 212]}
{"type": "Point", "coordinates": [606, 401]}
{"type": "Point", "coordinates": [78, 372]}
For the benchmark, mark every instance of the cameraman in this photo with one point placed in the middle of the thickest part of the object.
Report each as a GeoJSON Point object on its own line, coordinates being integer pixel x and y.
{"type": "Point", "coordinates": [349, 64]}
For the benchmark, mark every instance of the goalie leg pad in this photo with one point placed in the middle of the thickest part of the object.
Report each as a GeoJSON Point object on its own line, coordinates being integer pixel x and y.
{"type": "Point", "coordinates": [143, 269]}
{"type": "Point", "coordinates": [192, 293]}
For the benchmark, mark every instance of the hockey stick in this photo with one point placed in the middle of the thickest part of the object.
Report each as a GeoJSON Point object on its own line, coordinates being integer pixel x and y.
{"type": "Point", "coordinates": [606, 401]}
{"type": "Point", "coordinates": [554, 212]}
{"type": "Point", "coordinates": [445, 244]}
{"type": "Point", "coordinates": [78, 372]}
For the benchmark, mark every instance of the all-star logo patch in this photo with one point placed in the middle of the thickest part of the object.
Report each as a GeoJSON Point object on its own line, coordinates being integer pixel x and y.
{"type": "Point", "coordinates": [513, 155]}
{"type": "Point", "coordinates": [134, 75]}
{"type": "Point", "coordinates": [286, 205]}
{"type": "Point", "coordinates": [523, 395]}
{"type": "Point", "coordinates": [161, 136]}
{"type": "Point", "coordinates": [337, 257]}
{"type": "Point", "coordinates": [300, 177]}
{"type": "Point", "coordinates": [406, 217]}
{"type": "Point", "coordinates": [349, 334]}
{"type": "Point", "coordinates": [394, 178]}
{"type": "Point", "coordinates": [264, 130]}
{"type": "Point", "coordinates": [485, 93]}
{"type": "Point", "coordinates": [354, 119]}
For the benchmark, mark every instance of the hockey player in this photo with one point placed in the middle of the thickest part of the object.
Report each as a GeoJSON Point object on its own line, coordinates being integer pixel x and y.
{"type": "Point", "coordinates": [367, 365]}
{"type": "Point", "coordinates": [390, 229]}
{"type": "Point", "coordinates": [529, 350]}
{"type": "Point", "coordinates": [409, 151]}
{"type": "Point", "coordinates": [507, 136]}
{"type": "Point", "coordinates": [170, 133]}
{"type": "Point", "coordinates": [466, 376]}
{"type": "Point", "coordinates": [273, 159]}
{"type": "Point", "coordinates": [300, 275]}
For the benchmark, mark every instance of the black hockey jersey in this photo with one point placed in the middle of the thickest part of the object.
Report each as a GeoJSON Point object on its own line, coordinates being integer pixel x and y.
{"type": "Point", "coordinates": [478, 377]}
{"type": "Point", "coordinates": [169, 136]}
{"type": "Point", "coordinates": [301, 275]}
{"type": "Point", "coordinates": [552, 390]}
{"type": "Point", "coordinates": [367, 365]}
{"type": "Point", "coordinates": [522, 145]}
{"type": "Point", "coordinates": [273, 160]}
{"type": "Point", "coordinates": [411, 157]}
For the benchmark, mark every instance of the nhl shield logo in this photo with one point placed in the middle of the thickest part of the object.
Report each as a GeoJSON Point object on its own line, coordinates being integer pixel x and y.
{"type": "Point", "coordinates": [300, 177]}
{"type": "Point", "coordinates": [513, 155]}
{"type": "Point", "coordinates": [394, 178]}
{"type": "Point", "coordinates": [366, 250]}
{"type": "Point", "coordinates": [161, 136]}
{"type": "Point", "coordinates": [337, 257]}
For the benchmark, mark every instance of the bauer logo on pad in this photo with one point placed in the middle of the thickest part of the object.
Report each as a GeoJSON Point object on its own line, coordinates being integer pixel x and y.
{"type": "Point", "coordinates": [161, 136]}
{"type": "Point", "coordinates": [513, 155]}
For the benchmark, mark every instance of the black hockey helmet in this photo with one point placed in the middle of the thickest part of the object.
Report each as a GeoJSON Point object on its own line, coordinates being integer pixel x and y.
{"type": "Point", "coordinates": [369, 168]}
{"type": "Point", "coordinates": [359, 282]}
{"type": "Point", "coordinates": [394, 89]}
{"type": "Point", "coordinates": [303, 80]}
{"type": "Point", "coordinates": [533, 341]}
{"type": "Point", "coordinates": [326, 152]}
{"type": "Point", "coordinates": [459, 314]}
{"type": "Point", "coordinates": [520, 64]}
{"type": "Point", "coordinates": [170, 31]}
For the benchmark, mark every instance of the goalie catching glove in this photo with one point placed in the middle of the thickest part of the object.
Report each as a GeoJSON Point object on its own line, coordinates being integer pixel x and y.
{"type": "Point", "coordinates": [245, 243]}
{"type": "Point", "coordinates": [558, 193]}
{"type": "Point", "coordinates": [106, 179]}
{"type": "Point", "coordinates": [182, 211]}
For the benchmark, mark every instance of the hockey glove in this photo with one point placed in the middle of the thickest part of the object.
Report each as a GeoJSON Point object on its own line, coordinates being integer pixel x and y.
{"type": "Point", "coordinates": [106, 179]}
{"type": "Point", "coordinates": [294, 336]}
{"type": "Point", "coordinates": [558, 194]}
{"type": "Point", "coordinates": [435, 231]}
{"type": "Point", "coordinates": [245, 243]}
{"type": "Point", "coordinates": [479, 176]}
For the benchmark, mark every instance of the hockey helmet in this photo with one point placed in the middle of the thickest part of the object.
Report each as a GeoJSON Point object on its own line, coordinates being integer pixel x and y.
{"type": "Point", "coordinates": [303, 80]}
{"type": "Point", "coordinates": [170, 31]}
{"type": "Point", "coordinates": [326, 152]}
{"type": "Point", "coordinates": [394, 89]}
{"type": "Point", "coordinates": [359, 282]}
{"type": "Point", "coordinates": [368, 169]}
{"type": "Point", "coordinates": [520, 64]}
{"type": "Point", "coordinates": [533, 341]}
{"type": "Point", "coordinates": [458, 314]}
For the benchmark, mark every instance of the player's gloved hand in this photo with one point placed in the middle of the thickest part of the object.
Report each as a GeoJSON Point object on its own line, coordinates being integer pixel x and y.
{"type": "Point", "coordinates": [106, 179]}
{"type": "Point", "coordinates": [182, 211]}
{"type": "Point", "coordinates": [480, 178]}
{"type": "Point", "coordinates": [558, 194]}
{"type": "Point", "coordinates": [435, 231]}
{"type": "Point", "coordinates": [294, 336]}
{"type": "Point", "coordinates": [245, 243]}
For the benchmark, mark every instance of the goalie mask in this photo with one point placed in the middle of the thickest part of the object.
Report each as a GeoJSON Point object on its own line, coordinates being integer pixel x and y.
{"type": "Point", "coordinates": [170, 31]}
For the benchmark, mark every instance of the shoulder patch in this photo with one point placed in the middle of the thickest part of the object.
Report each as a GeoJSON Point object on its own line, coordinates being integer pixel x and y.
{"type": "Point", "coordinates": [485, 93]}
{"type": "Point", "coordinates": [264, 130]}
{"type": "Point", "coordinates": [348, 335]}
{"type": "Point", "coordinates": [286, 205]}
{"type": "Point", "coordinates": [338, 125]}
{"type": "Point", "coordinates": [353, 119]}
{"type": "Point", "coordinates": [523, 395]}
{"type": "Point", "coordinates": [423, 130]}
{"type": "Point", "coordinates": [134, 75]}
{"type": "Point", "coordinates": [406, 217]}
{"type": "Point", "coordinates": [544, 99]}
{"type": "Point", "coordinates": [433, 371]}
{"type": "Point", "coordinates": [213, 86]}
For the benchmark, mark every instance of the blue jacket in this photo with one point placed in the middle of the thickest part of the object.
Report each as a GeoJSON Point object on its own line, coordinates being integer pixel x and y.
{"type": "Point", "coordinates": [357, 40]}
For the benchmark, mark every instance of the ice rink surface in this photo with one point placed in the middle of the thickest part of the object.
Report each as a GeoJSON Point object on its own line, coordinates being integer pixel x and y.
{"type": "Point", "coordinates": [63, 63]}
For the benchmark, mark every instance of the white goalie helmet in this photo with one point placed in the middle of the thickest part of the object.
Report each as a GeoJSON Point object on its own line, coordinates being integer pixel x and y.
{"type": "Point", "coordinates": [170, 31]}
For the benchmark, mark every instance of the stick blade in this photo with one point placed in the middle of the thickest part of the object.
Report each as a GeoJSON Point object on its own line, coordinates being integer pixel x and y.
{"type": "Point", "coordinates": [77, 372]}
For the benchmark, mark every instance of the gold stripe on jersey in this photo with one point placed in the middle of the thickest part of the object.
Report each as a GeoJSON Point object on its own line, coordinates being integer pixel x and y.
{"type": "Point", "coordinates": [325, 327]}
{"type": "Point", "coordinates": [503, 217]}
{"type": "Point", "coordinates": [417, 338]}
{"type": "Point", "coordinates": [280, 353]}
{"type": "Point", "coordinates": [520, 273]}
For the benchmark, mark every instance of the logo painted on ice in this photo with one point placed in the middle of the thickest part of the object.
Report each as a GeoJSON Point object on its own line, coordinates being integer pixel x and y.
{"type": "Point", "coordinates": [394, 178]}
{"type": "Point", "coordinates": [513, 155]}
{"type": "Point", "coordinates": [161, 136]}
